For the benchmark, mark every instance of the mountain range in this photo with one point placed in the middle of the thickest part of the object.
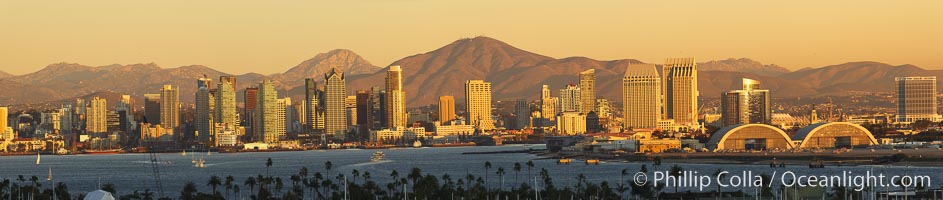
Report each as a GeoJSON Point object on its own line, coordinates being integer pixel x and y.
{"type": "Point", "coordinates": [513, 72]}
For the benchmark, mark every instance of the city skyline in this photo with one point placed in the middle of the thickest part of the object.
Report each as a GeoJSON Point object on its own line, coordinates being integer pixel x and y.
{"type": "Point", "coordinates": [844, 31]}
{"type": "Point", "coordinates": [529, 99]}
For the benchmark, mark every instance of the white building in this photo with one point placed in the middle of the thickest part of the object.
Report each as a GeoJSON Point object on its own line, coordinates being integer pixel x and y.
{"type": "Point", "coordinates": [571, 123]}
{"type": "Point", "coordinates": [454, 129]}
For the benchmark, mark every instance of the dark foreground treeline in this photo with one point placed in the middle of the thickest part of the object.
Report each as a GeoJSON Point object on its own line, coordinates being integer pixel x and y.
{"type": "Point", "coordinates": [328, 184]}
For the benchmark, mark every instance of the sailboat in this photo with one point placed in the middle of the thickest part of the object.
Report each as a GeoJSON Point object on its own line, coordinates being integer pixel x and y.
{"type": "Point", "coordinates": [49, 178]}
{"type": "Point", "coordinates": [199, 163]}
{"type": "Point", "coordinates": [37, 158]}
{"type": "Point", "coordinates": [184, 153]}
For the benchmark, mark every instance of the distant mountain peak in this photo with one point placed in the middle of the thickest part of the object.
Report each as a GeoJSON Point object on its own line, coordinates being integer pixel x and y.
{"type": "Point", "coordinates": [742, 65]}
{"type": "Point", "coordinates": [344, 59]}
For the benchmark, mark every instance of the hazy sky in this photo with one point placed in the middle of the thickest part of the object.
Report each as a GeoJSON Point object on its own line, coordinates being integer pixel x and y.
{"type": "Point", "coordinates": [272, 36]}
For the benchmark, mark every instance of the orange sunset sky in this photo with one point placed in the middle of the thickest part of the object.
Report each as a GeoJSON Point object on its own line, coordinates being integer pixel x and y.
{"type": "Point", "coordinates": [267, 37]}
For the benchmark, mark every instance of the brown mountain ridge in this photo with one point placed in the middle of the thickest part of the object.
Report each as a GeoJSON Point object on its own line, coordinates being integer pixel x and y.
{"type": "Point", "coordinates": [514, 73]}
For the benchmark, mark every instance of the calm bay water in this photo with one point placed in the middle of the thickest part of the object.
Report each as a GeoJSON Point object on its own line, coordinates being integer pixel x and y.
{"type": "Point", "coordinates": [131, 172]}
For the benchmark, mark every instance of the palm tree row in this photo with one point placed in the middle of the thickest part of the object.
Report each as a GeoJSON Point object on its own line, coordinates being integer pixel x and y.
{"type": "Point", "coordinates": [361, 185]}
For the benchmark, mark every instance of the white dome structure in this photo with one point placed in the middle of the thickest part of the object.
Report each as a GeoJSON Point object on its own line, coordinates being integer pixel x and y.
{"type": "Point", "coordinates": [99, 195]}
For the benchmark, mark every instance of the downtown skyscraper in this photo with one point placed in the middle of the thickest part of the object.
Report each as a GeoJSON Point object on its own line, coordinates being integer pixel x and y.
{"type": "Point", "coordinates": [570, 99]}
{"type": "Point", "coordinates": [265, 125]}
{"type": "Point", "coordinates": [6, 132]}
{"type": "Point", "coordinates": [335, 96]}
{"type": "Point", "coordinates": [205, 101]}
{"type": "Point", "coordinates": [96, 117]}
{"type": "Point", "coordinates": [679, 87]}
{"type": "Point", "coordinates": [151, 108]}
{"type": "Point", "coordinates": [587, 91]}
{"type": "Point", "coordinates": [170, 109]}
{"type": "Point", "coordinates": [521, 114]}
{"type": "Point", "coordinates": [446, 109]}
{"type": "Point", "coordinates": [396, 113]}
{"type": "Point", "coordinates": [478, 104]}
{"type": "Point", "coordinates": [225, 111]}
{"type": "Point", "coordinates": [312, 106]}
{"type": "Point", "coordinates": [250, 101]}
{"type": "Point", "coordinates": [548, 106]}
{"type": "Point", "coordinates": [749, 105]}
{"type": "Point", "coordinates": [641, 95]}
{"type": "Point", "coordinates": [916, 98]}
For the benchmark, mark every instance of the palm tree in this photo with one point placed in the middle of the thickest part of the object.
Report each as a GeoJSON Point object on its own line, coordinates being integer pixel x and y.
{"type": "Point", "coordinates": [214, 182]}
{"type": "Point", "coordinates": [356, 174]}
{"type": "Point", "coordinates": [235, 189]}
{"type": "Point", "coordinates": [328, 165]}
{"type": "Point", "coordinates": [487, 166]}
{"type": "Point", "coordinates": [395, 175]}
{"type": "Point", "coordinates": [251, 182]}
{"type": "Point", "coordinates": [268, 164]}
{"type": "Point", "coordinates": [517, 170]}
{"type": "Point", "coordinates": [720, 176]}
{"type": "Point", "coordinates": [677, 173]}
{"type": "Point", "coordinates": [228, 184]}
{"type": "Point", "coordinates": [304, 178]}
{"type": "Point", "coordinates": [500, 173]}
{"type": "Point", "coordinates": [414, 175]}
{"type": "Point", "coordinates": [622, 187]}
{"type": "Point", "coordinates": [530, 164]}
{"type": "Point", "coordinates": [188, 191]}
{"type": "Point", "coordinates": [279, 185]}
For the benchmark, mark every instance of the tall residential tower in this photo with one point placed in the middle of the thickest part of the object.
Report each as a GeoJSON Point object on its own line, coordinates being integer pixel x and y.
{"type": "Point", "coordinates": [478, 104]}
{"type": "Point", "coordinates": [641, 102]}
{"type": "Point", "coordinates": [679, 87]}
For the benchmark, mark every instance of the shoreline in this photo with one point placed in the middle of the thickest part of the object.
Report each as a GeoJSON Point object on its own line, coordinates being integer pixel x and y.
{"type": "Point", "coordinates": [911, 157]}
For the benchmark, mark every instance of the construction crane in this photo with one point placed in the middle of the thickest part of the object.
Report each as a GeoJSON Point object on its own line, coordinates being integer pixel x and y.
{"type": "Point", "coordinates": [155, 161]}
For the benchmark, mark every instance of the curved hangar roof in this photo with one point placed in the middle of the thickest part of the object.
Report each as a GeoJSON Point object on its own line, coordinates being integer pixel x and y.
{"type": "Point", "coordinates": [749, 136]}
{"type": "Point", "coordinates": [834, 135]}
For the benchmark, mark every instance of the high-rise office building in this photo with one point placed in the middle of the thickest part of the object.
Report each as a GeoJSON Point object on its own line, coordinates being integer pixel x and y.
{"type": "Point", "coordinates": [4, 114]}
{"type": "Point", "coordinates": [170, 109]}
{"type": "Point", "coordinates": [679, 87]}
{"type": "Point", "coordinates": [283, 109]}
{"type": "Point", "coordinates": [364, 110]}
{"type": "Point", "coordinates": [641, 101]}
{"type": "Point", "coordinates": [350, 106]}
{"type": "Point", "coordinates": [225, 109]}
{"type": "Point", "coordinates": [151, 108]}
{"type": "Point", "coordinates": [248, 110]}
{"type": "Point", "coordinates": [125, 110]}
{"type": "Point", "coordinates": [203, 118]}
{"type": "Point", "coordinates": [65, 121]}
{"type": "Point", "coordinates": [396, 114]}
{"type": "Point", "coordinates": [749, 105]}
{"type": "Point", "coordinates": [297, 118]}
{"type": "Point", "coordinates": [378, 100]}
{"type": "Point", "coordinates": [587, 91]}
{"type": "Point", "coordinates": [521, 114]}
{"type": "Point", "coordinates": [603, 108]}
{"type": "Point", "coordinates": [6, 132]}
{"type": "Point", "coordinates": [478, 104]}
{"type": "Point", "coordinates": [548, 105]}
{"type": "Point", "coordinates": [96, 116]}
{"type": "Point", "coordinates": [311, 105]}
{"type": "Point", "coordinates": [335, 95]}
{"type": "Point", "coordinates": [916, 98]}
{"type": "Point", "coordinates": [446, 108]}
{"type": "Point", "coordinates": [570, 98]}
{"type": "Point", "coordinates": [265, 125]}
